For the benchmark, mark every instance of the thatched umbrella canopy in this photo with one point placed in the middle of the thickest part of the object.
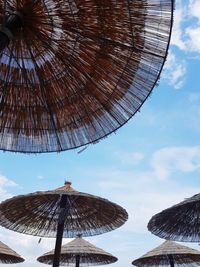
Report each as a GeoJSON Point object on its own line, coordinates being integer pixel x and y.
{"type": "Point", "coordinates": [81, 253]}
{"type": "Point", "coordinates": [72, 72]}
{"type": "Point", "coordinates": [7, 255]}
{"type": "Point", "coordinates": [180, 222]}
{"type": "Point", "coordinates": [61, 212]}
{"type": "Point", "coordinates": [171, 254]}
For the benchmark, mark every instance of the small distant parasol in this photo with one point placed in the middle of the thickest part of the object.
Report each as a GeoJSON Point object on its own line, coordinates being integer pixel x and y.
{"type": "Point", "coordinates": [8, 256]}
{"type": "Point", "coordinates": [79, 252]}
{"type": "Point", "coordinates": [169, 254]}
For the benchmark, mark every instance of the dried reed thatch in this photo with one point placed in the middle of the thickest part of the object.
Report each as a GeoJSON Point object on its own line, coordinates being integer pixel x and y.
{"type": "Point", "coordinates": [88, 254]}
{"type": "Point", "coordinates": [7, 255]}
{"type": "Point", "coordinates": [38, 213]}
{"type": "Point", "coordinates": [180, 222]}
{"type": "Point", "coordinates": [169, 254]}
{"type": "Point", "coordinates": [77, 71]}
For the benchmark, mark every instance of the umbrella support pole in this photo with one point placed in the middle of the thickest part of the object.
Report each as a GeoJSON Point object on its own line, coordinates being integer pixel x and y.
{"type": "Point", "coordinates": [171, 261]}
{"type": "Point", "coordinates": [77, 260]}
{"type": "Point", "coordinates": [60, 228]}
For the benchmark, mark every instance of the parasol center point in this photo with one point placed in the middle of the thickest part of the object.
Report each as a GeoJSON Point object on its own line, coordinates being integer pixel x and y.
{"type": "Point", "coordinates": [67, 184]}
{"type": "Point", "coordinates": [13, 22]}
{"type": "Point", "coordinates": [79, 235]}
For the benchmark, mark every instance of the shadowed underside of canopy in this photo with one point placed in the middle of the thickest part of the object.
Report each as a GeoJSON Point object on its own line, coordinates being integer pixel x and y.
{"type": "Point", "coordinates": [39, 213]}
{"type": "Point", "coordinates": [169, 254]}
{"type": "Point", "coordinates": [88, 254]}
{"type": "Point", "coordinates": [8, 256]}
{"type": "Point", "coordinates": [76, 71]}
{"type": "Point", "coordinates": [180, 222]}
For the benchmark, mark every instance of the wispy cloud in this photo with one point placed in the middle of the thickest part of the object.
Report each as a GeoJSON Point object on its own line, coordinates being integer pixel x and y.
{"type": "Point", "coordinates": [186, 27]}
{"type": "Point", "coordinates": [4, 184]}
{"type": "Point", "coordinates": [170, 159]}
{"type": "Point", "coordinates": [178, 31]}
{"type": "Point", "coordinates": [193, 31]}
{"type": "Point", "coordinates": [193, 42]}
{"type": "Point", "coordinates": [175, 70]}
{"type": "Point", "coordinates": [186, 38]}
{"type": "Point", "coordinates": [130, 158]}
{"type": "Point", "coordinates": [40, 177]}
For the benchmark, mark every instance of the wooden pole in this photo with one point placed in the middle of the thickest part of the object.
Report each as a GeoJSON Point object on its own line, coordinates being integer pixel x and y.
{"type": "Point", "coordinates": [64, 210]}
{"type": "Point", "coordinates": [171, 260]}
{"type": "Point", "coordinates": [77, 260]}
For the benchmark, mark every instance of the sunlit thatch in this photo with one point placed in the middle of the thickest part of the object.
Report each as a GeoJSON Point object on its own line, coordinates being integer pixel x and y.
{"type": "Point", "coordinates": [77, 71]}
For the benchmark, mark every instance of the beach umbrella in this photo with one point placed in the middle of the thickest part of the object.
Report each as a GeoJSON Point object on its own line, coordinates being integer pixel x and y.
{"type": "Point", "coordinates": [79, 252]}
{"type": "Point", "coordinates": [180, 222]}
{"type": "Point", "coordinates": [72, 72]}
{"type": "Point", "coordinates": [170, 254]}
{"type": "Point", "coordinates": [7, 255]}
{"type": "Point", "coordinates": [61, 212]}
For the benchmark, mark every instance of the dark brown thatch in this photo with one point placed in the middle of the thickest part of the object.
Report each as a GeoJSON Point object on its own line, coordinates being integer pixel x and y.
{"type": "Point", "coordinates": [78, 70]}
{"type": "Point", "coordinates": [89, 254]}
{"type": "Point", "coordinates": [7, 255]}
{"type": "Point", "coordinates": [37, 213]}
{"type": "Point", "coordinates": [180, 222]}
{"type": "Point", "coordinates": [169, 254]}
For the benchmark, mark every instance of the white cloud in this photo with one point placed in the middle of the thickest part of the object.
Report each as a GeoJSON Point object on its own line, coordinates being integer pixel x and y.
{"type": "Point", "coordinates": [4, 183]}
{"type": "Point", "coordinates": [193, 42]}
{"type": "Point", "coordinates": [170, 159]}
{"type": "Point", "coordinates": [177, 30]}
{"type": "Point", "coordinates": [186, 27]}
{"type": "Point", "coordinates": [159, 167]}
{"type": "Point", "coordinates": [40, 177]}
{"type": "Point", "coordinates": [194, 9]}
{"type": "Point", "coordinates": [174, 70]}
{"type": "Point", "coordinates": [130, 158]}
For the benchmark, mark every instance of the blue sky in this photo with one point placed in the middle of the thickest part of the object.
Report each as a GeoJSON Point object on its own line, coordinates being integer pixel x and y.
{"type": "Point", "coordinates": [150, 164]}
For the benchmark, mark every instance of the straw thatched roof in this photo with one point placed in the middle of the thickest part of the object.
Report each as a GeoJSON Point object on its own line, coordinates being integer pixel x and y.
{"type": "Point", "coordinates": [89, 254]}
{"type": "Point", "coordinates": [37, 213]}
{"type": "Point", "coordinates": [180, 222]}
{"type": "Point", "coordinates": [7, 255]}
{"type": "Point", "coordinates": [169, 251]}
{"type": "Point", "coordinates": [77, 71]}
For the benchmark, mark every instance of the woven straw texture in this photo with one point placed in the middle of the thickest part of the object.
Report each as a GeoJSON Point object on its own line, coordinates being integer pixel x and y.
{"type": "Point", "coordinates": [89, 254]}
{"type": "Point", "coordinates": [37, 213]}
{"type": "Point", "coordinates": [7, 255]}
{"type": "Point", "coordinates": [160, 256]}
{"type": "Point", "coordinates": [77, 70]}
{"type": "Point", "coordinates": [180, 222]}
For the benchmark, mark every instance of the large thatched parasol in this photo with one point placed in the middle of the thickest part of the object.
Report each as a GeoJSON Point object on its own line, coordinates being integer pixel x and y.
{"type": "Point", "coordinates": [7, 255]}
{"type": "Point", "coordinates": [73, 72]}
{"type": "Point", "coordinates": [171, 254]}
{"type": "Point", "coordinates": [61, 212]}
{"type": "Point", "coordinates": [180, 222]}
{"type": "Point", "coordinates": [79, 252]}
